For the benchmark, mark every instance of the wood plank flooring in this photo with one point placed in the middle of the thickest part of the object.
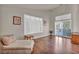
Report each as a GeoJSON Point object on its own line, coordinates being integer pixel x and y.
{"type": "Point", "coordinates": [54, 45]}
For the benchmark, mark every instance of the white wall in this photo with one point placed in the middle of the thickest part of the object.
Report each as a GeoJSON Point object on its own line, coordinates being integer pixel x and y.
{"type": "Point", "coordinates": [7, 26]}
{"type": "Point", "coordinates": [7, 13]}
{"type": "Point", "coordinates": [0, 19]}
{"type": "Point", "coordinates": [75, 18]}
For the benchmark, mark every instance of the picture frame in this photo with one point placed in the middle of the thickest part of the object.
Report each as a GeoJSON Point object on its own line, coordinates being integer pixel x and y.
{"type": "Point", "coordinates": [16, 20]}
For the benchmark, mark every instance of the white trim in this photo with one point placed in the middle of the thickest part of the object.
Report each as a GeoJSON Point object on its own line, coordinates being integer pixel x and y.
{"type": "Point", "coordinates": [63, 17]}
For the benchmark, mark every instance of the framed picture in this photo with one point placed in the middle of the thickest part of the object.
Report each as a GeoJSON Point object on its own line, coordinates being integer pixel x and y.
{"type": "Point", "coordinates": [16, 20]}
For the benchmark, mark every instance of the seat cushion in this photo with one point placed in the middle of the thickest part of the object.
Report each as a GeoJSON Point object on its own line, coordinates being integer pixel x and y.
{"type": "Point", "coordinates": [21, 44]}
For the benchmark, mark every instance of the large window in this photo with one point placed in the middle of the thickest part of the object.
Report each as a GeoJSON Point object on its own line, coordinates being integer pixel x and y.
{"type": "Point", "coordinates": [32, 24]}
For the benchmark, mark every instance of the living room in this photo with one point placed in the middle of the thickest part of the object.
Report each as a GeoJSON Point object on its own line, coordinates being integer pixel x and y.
{"type": "Point", "coordinates": [9, 13]}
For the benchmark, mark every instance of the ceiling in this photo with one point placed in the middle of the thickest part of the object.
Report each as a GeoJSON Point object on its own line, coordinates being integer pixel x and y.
{"type": "Point", "coordinates": [34, 6]}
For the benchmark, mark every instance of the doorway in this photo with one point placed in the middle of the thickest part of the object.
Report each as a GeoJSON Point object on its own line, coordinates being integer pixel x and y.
{"type": "Point", "coordinates": [63, 27]}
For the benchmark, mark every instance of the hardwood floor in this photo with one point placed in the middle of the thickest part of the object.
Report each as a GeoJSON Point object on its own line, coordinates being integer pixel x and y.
{"type": "Point", "coordinates": [54, 45]}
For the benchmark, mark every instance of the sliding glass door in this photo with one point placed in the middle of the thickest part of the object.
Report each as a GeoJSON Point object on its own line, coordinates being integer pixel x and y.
{"type": "Point", "coordinates": [63, 28]}
{"type": "Point", "coordinates": [63, 25]}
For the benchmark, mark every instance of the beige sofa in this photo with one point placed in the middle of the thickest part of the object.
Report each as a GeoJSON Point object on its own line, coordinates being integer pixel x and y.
{"type": "Point", "coordinates": [17, 47]}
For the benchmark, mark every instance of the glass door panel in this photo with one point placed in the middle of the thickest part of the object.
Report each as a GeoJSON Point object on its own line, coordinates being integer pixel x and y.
{"type": "Point", "coordinates": [67, 28]}
{"type": "Point", "coordinates": [59, 28]}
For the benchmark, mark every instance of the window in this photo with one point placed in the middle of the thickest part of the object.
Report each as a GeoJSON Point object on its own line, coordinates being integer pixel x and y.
{"type": "Point", "coordinates": [32, 24]}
